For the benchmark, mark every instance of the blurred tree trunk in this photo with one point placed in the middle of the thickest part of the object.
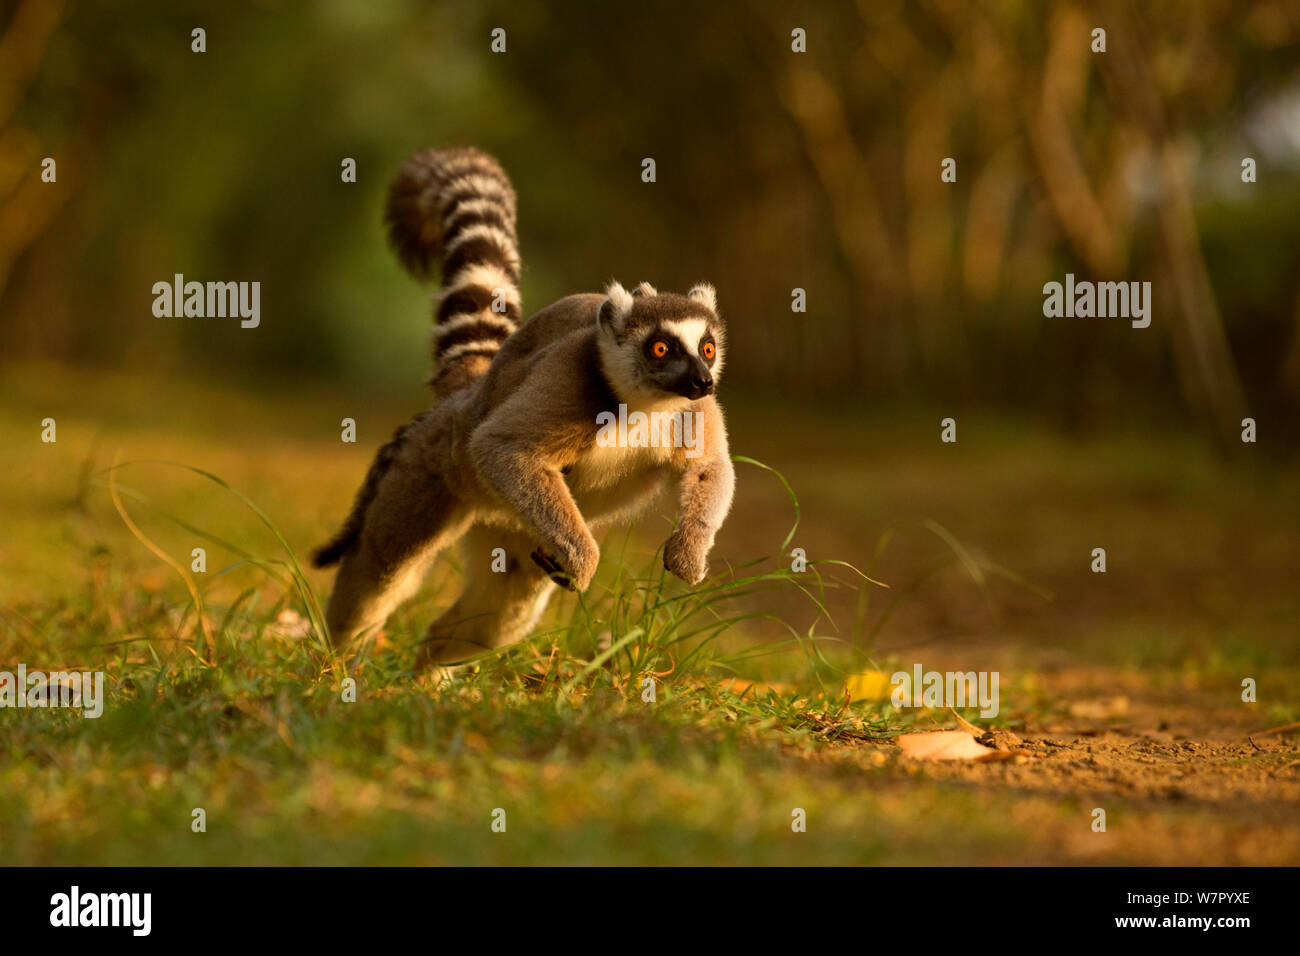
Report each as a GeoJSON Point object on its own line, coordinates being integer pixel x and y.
{"type": "Point", "coordinates": [1049, 120]}
{"type": "Point", "coordinates": [857, 219]}
{"type": "Point", "coordinates": [1289, 376]}
{"type": "Point", "coordinates": [26, 203]}
{"type": "Point", "coordinates": [1205, 364]}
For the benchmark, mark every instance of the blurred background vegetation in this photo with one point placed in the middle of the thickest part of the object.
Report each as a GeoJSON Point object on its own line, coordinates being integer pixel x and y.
{"type": "Point", "coordinates": [775, 171]}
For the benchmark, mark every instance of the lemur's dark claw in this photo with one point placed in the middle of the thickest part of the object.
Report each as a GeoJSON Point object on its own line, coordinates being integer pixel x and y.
{"type": "Point", "coordinates": [552, 569]}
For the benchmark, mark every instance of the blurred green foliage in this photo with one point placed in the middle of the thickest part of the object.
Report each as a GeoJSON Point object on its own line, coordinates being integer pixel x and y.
{"type": "Point", "coordinates": [776, 170]}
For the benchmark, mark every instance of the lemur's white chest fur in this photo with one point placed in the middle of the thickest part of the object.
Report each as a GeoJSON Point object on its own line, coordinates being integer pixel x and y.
{"type": "Point", "coordinates": [608, 467]}
{"type": "Point", "coordinates": [632, 455]}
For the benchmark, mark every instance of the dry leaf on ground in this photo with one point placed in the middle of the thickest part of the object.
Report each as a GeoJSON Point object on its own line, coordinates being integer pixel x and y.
{"type": "Point", "coordinates": [943, 745]}
{"type": "Point", "coordinates": [738, 685]}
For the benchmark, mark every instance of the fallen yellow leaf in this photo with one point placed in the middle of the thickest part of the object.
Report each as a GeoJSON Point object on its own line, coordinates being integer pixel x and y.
{"type": "Point", "coordinates": [868, 685]}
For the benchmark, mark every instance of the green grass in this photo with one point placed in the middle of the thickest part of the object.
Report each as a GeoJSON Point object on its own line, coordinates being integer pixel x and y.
{"type": "Point", "coordinates": [406, 777]}
{"type": "Point", "coordinates": [255, 729]}
{"type": "Point", "coordinates": [587, 772]}
{"type": "Point", "coordinates": [983, 546]}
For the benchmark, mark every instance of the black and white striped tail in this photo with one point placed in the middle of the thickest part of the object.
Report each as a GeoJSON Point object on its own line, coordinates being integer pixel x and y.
{"type": "Point", "coordinates": [457, 207]}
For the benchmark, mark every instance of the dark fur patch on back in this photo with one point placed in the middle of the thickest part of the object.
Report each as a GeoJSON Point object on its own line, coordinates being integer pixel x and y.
{"type": "Point", "coordinates": [346, 539]}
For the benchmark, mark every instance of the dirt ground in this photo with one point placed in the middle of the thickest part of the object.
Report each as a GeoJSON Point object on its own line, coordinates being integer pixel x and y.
{"type": "Point", "coordinates": [1181, 781]}
{"type": "Point", "coordinates": [1122, 691]}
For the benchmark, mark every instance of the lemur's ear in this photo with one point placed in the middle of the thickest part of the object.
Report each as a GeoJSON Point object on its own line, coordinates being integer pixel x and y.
{"type": "Point", "coordinates": [645, 288]}
{"type": "Point", "coordinates": [703, 293]}
{"type": "Point", "coordinates": [615, 309]}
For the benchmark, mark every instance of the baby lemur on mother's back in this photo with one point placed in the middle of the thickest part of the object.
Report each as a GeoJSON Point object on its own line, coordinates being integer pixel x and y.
{"type": "Point", "coordinates": [518, 451]}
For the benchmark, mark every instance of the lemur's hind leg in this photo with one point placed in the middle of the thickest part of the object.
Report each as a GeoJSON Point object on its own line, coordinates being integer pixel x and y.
{"type": "Point", "coordinates": [411, 519]}
{"type": "Point", "coordinates": [497, 607]}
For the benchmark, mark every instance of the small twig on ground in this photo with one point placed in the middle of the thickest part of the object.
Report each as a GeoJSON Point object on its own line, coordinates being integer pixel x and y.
{"type": "Point", "coordinates": [1278, 730]}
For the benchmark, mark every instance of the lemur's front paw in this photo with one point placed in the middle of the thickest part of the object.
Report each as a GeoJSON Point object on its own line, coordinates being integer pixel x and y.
{"type": "Point", "coordinates": [552, 569]}
{"type": "Point", "coordinates": [687, 556]}
{"type": "Point", "coordinates": [574, 572]}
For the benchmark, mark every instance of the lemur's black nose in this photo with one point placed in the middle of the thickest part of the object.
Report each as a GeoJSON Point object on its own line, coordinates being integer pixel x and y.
{"type": "Point", "coordinates": [702, 383]}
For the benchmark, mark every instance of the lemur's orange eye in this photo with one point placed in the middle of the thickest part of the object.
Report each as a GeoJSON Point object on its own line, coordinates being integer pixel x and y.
{"type": "Point", "coordinates": [660, 349]}
{"type": "Point", "coordinates": [708, 351]}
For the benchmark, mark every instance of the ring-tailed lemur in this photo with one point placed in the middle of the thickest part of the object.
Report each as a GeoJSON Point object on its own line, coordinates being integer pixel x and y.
{"type": "Point", "coordinates": [518, 452]}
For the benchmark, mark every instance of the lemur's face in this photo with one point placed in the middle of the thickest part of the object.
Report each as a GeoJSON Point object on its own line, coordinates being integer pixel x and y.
{"type": "Point", "coordinates": [679, 357]}
{"type": "Point", "coordinates": [666, 345]}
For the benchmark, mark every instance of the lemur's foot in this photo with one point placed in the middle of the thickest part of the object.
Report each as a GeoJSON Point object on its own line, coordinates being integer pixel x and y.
{"type": "Point", "coordinates": [575, 565]}
{"type": "Point", "coordinates": [429, 663]}
{"type": "Point", "coordinates": [553, 569]}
